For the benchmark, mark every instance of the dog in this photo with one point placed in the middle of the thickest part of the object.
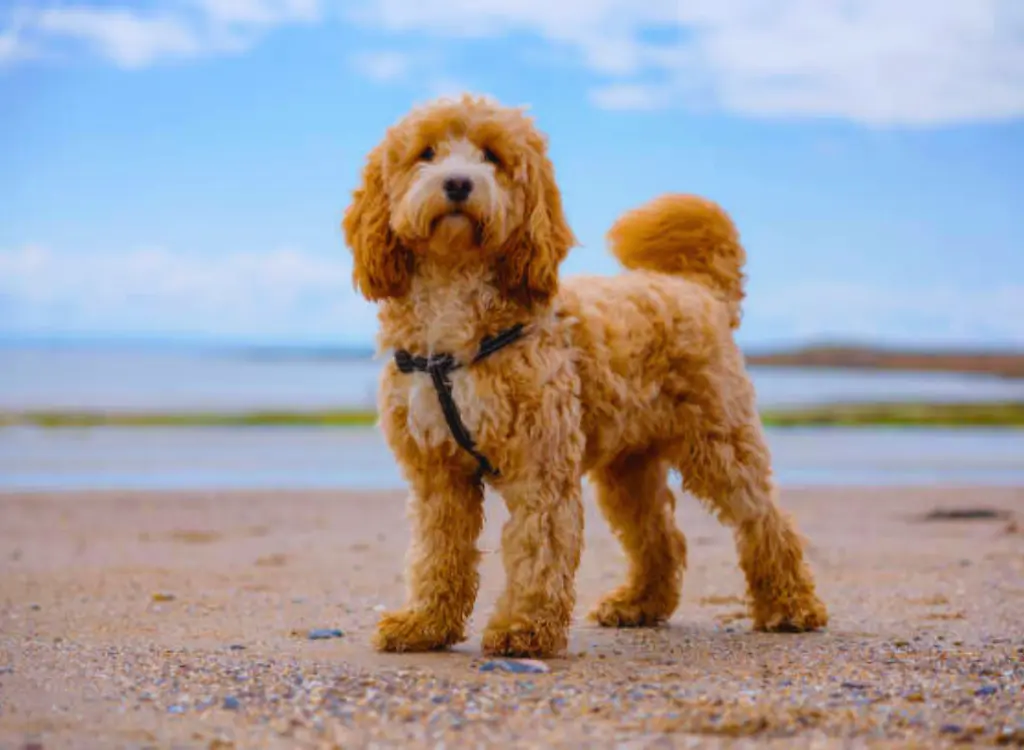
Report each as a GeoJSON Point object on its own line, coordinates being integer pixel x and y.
{"type": "Point", "coordinates": [506, 375]}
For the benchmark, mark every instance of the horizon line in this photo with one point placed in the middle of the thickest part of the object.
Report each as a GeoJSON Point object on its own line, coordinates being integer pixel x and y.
{"type": "Point", "coordinates": [779, 347]}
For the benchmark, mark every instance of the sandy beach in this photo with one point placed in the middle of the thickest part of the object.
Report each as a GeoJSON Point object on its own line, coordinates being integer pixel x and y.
{"type": "Point", "coordinates": [182, 619]}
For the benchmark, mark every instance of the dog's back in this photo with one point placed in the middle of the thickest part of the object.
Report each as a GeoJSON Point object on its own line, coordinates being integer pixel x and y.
{"type": "Point", "coordinates": [663, 385]}
{"type": "Point", "coordinates": [660, 333]}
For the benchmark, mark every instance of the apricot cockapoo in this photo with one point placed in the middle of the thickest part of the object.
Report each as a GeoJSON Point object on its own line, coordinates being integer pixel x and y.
{"type": "Point", "coordinates": [506, 374]}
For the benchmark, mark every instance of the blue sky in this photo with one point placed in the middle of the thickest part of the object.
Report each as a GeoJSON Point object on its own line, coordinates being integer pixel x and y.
{"type": "Point", "coordinates": [178, 168]}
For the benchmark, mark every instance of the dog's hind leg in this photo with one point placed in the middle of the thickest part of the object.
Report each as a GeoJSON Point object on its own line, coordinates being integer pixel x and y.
{"type": "Point", "coordinates": [635, 499]}
{"type": "Point", "coordinates": [728, 467]}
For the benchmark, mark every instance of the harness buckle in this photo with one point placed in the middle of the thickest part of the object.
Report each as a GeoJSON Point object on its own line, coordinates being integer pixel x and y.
{"type": "Point", "coordinates": [439, 367]}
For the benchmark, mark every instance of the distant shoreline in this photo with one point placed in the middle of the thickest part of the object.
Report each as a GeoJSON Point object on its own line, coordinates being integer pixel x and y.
{"type": "Point", "coordinates": [1007, 364]}
{"type": "Point", "coordinates": [993, 414]}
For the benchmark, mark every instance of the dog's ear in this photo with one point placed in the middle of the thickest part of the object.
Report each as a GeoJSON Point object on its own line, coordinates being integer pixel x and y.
{"type": "Point", "coordinates": [528, 268]}
{"type": "Point", "coordinates": [382, 267]}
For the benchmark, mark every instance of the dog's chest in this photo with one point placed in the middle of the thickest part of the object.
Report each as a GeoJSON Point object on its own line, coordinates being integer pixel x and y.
{"type": "Point", "coordinates": [426, 422]}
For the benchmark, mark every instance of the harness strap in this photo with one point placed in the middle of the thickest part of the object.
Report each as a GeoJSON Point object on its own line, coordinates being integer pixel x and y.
{"type": "Point", "coordinates": [440, 367]}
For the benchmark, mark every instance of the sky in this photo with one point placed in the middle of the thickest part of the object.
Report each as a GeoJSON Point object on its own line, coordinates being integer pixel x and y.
{"type": "Point", "coordinates": [178, 169]}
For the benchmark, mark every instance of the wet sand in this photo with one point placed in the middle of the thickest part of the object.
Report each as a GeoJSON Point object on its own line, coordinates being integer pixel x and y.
{"type": "Point", "coordinates": [181, 619]}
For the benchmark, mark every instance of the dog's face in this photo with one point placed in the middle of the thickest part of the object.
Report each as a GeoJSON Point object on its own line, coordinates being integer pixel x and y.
{"type": "Point", "coordinates": [469, 179]}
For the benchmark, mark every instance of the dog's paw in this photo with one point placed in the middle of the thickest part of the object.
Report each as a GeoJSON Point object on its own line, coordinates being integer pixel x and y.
{"type": "Point", "coordinates": [622, 609]}
{"type": "Point", "coordinates": [797, 616]}
{"type": "Point", "coordinates": [524, 638]}
{"type": "Point", "coordinates": [414, 630]}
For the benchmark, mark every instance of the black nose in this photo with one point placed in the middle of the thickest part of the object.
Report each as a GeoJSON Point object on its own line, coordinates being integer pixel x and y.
{"type": "Point", "coordinates": [458, 188]}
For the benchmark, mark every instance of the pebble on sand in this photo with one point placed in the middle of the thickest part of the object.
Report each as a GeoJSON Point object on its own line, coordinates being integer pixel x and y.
{"type": "Point", "coordinates": [516, 666]}
{"type": "Point", "coordinates": [321, 634]}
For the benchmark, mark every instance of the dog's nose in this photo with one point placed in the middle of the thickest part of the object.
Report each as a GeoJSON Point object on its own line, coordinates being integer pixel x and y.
{"type": "Point", "coordinates": [458, 188]}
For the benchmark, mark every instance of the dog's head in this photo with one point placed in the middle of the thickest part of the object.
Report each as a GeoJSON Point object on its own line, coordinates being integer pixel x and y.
{"type": "Point", "coordinates": [457, 178]}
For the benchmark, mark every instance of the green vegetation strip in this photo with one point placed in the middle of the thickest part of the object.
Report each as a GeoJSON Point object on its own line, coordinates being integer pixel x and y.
{"type": "Point", "coordinates": [137, 419]}
{"type": "Point", "coordinates": [865, 415]}
{"type": "Point", "coordinates": [901, 415]}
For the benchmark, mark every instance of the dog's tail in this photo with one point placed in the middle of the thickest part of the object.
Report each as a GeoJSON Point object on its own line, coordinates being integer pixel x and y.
{"type": "Point", "coordinates": [687, 236]}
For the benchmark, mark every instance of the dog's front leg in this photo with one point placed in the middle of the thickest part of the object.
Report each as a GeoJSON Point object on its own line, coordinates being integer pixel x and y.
{"type": "Point", "coordinates": [541, 545]}
{"type": "Point", "coordinates": [446, 511]}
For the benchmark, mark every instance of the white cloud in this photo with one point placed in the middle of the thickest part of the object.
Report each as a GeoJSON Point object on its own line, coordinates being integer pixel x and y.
{"type": "Point", "coordinates": [14, 46]}
{"type": "Point", "coordinates": [293, 295]}
{"type": "Point", "coordinates": [13, 49]}
{"type": "Point", "coordinates": [442, 85]}
{"type": "Point", "coordinates": [126, 38]}
{"type": "Point", "coordinates": [277, 294]}
{"type": "Point", "coordinates": [260, 12]}
{"type": "Point", "coordinates": [915, 62]}
{"type": "Point", "coordinates": [135, 38]}
{"type": "Point", "coordinates": [879, 62]}
{"type": "Point", "coordinates": [630, 96]}
{"type": "Point", "coordinates": [383, 66]}
{"type": "Point", "coordinates": [880, 311]}
{"type": "Point", "coordinates": [423, 68]}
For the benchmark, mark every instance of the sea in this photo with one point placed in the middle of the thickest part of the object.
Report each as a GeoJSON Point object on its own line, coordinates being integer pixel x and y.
{"type": "Point", "coordinates": [68, 377]}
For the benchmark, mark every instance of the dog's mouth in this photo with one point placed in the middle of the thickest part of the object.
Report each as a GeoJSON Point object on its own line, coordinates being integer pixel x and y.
{"type": "Point", "coordinates": [462, 217]}
{"type": "Point", "coordinates": [452, 213]}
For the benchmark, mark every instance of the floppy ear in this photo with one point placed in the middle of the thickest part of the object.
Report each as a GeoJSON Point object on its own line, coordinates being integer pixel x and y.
{"type": "Point", "coordinates": [381, 265]}
{"type": "Point", "coordinates": [528, 268]}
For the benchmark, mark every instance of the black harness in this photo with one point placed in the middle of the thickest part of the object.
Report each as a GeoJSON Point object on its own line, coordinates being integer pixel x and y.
{"type": "Point", "coordinates": [440, 366]}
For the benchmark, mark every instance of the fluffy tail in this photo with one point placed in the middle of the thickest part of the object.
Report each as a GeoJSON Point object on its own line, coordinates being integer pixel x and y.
{"type": "Point", "coordinates": [685, 235]}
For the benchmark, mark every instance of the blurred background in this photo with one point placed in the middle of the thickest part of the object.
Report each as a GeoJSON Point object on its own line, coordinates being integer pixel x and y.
{"type": "Point", "coordinates": [176, 307]}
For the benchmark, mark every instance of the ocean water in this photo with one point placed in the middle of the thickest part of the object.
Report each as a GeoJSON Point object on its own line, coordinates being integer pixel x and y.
{"type": "Point", "coordinates": [76, 378]}
{"type": "Point", "coordinates": [299, 457]}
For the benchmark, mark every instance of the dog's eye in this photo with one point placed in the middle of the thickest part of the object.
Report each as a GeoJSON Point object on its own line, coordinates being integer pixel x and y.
{"type": "Point", "coordinates": [492, 157]}
{"type": "Point", "coordinates": [426, 154]}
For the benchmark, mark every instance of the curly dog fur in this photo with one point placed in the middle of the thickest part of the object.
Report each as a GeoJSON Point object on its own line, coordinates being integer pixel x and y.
{"type": "Point", "coordinates": [620, 379]}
